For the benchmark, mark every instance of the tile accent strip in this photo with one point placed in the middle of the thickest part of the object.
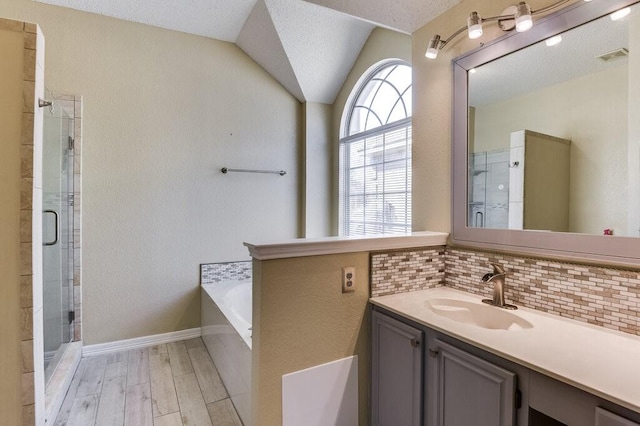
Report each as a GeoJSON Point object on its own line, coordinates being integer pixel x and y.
{"type": "Point", "coordinates": [217, 272]}
{"type": "Point", "coordinates": [601, 296]}
{"type": "Point", "coordinates": [405, 271]}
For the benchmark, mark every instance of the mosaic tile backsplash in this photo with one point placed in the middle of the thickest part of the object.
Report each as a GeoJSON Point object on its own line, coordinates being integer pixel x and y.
{"type": "Point", "coordinates": [404, 271]}
{"type": "Point", "coordinates": [216, 272]}
{"type": "Point", "coordinates": [601, 296]}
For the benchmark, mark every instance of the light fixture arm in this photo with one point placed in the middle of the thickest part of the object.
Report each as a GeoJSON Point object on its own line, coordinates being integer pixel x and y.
{"type": "Point", "coordinates": [440, 44]}
{"type": "Point", "coordinates": [452, 36]}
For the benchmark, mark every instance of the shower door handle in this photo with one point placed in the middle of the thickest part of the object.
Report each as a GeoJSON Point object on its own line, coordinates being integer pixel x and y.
{"type": "Point", "coordinates": [57, 228]}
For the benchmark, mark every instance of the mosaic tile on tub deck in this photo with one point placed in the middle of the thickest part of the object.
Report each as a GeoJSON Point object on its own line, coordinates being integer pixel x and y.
{"type": "Point", "coordinates": [216, 272]}
{"type": "Point", "coordinates": [597, 295]}
{"type": "Point", "coordinates": [407, 270]}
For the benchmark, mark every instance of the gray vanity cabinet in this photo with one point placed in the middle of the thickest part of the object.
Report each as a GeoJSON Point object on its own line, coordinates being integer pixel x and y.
{"type": "Point", "coordinates": [470, 390]}
{"type": "Point", "coordinates": [396, 365]}
{"type": "Point", "coordinates": [421, 376]}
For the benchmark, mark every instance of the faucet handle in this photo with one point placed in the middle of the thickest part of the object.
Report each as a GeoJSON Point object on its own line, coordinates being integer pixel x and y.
{"type": "Point", "coordinates": [498, 269]}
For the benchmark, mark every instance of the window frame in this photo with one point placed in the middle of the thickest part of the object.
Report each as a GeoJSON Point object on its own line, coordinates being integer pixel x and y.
{"type": "Point", "coordinates": [346, 139]}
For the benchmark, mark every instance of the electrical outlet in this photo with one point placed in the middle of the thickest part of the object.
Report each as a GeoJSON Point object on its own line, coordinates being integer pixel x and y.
{"type": "Point", "coordinates": [348, 279]}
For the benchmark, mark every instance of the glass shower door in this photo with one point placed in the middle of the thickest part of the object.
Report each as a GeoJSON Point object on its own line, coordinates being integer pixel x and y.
{"type": "Point", "coordinates": [489, 189]}
{"type": "Point", "coordinates": [57, 202]}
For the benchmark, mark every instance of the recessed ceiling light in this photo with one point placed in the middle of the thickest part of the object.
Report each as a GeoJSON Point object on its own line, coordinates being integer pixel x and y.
{"type": "Point", "coordinates": [553, 40]}
{"type": "Point", "coordinates": [619, 14]}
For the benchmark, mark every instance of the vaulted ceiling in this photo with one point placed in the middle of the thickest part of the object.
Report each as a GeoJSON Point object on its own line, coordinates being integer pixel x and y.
{"type": "Point", "coordinates": [308, 46]}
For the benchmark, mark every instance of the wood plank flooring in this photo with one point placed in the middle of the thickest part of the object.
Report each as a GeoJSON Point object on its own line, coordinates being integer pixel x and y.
{"type": "Point", "coordinates": [164, 385]}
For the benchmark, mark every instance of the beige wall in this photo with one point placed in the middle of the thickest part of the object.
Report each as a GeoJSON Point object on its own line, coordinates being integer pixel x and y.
{"type": "Point", "coordinates": [633, 226]}
{"type": "Point", "coordinates": [317, 169]}
{"type": "Point", "coordinates": [591, 111]}
{"type": "Point", "coordinates": [163, 112]}
{"type": "Point", "coordinates": [382, 44]}
{"type": "Point", "coordinates": [301, 319]}
{"type": "Point", "coordinates": [432, 110]}
{"type": "Point", "coordinates": [11, 47]}
{"type": "Point", "coordinates": [300, 316]}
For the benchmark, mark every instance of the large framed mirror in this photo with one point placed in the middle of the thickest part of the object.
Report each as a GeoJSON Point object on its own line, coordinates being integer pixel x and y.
{"type": "Point", "coordinates": [546, 138]}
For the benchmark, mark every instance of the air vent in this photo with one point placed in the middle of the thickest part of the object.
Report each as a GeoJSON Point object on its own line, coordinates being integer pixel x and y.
{"type": "Point", "coordinates": [614, 55]}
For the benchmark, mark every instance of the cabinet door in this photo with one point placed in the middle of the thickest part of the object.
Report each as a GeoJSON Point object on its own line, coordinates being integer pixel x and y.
{"type": "Point", "coordinates": [472, 391]}
{"type": "Point", "coordinates": [396, 365]}
{"type": "Point", "coordinates": [607, 418]}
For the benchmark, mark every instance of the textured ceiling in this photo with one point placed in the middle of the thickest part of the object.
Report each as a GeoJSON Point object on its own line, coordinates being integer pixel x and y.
{"type": "Point", "coordinates": [308, 46]}
{"type": "Point", "coordinates": [402, 15]}
{"type": "Point", "coordinates": [540, 66]}
{"type": "Point", "coordinates": [219, 19]}
{"type": "Point", "coordinates": [309, 49]}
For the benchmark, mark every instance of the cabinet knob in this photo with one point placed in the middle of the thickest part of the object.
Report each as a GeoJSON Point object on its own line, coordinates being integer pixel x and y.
{"type": "Point", "coordinates": [415, 342]}
{"type": "Point", "coordinates": [434, 353]}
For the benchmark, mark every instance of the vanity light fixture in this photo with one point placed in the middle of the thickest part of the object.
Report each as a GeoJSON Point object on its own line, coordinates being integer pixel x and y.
{"type": "Point", "coordinates": [519, 17]}
{"type": "Point", "coordinates": [524, 20]}
{"type": "Point", "coordinates": [434, 46]}
{"type": "Point", "coordinates": [619, 14]}
{"type": "Point", "coordinates": [474, 25]}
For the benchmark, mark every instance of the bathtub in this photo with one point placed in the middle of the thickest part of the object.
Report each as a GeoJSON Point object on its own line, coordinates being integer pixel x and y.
{"type": "Point", "coordinates": [226, 332]}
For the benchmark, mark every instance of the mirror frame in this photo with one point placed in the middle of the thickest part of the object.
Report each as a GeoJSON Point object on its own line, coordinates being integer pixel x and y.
{"type": "Point", "coordinates": [616, 250]}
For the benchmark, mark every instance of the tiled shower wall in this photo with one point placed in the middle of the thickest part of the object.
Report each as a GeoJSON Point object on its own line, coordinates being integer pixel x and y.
{"type": "Point", "coordinates": [31, 221]}
{"type": "Point", "coordinates": [606, 297]}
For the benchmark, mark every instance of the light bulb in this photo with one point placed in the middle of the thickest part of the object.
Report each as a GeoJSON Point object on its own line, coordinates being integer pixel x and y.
{"type": "Point", "coordinates": [431, 53]}
{"type": "Point", "coordinates": [474, 25]}
{"type": "Point", "coordinates": [553, 40]}
{"type": "Point", "coordinates": [524, 20]}
{"type": "Point", "coordinates": [619, 14]}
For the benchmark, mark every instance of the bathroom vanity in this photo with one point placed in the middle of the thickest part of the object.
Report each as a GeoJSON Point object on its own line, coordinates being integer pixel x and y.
{"type": "Point", "coordinates": [442, 357]}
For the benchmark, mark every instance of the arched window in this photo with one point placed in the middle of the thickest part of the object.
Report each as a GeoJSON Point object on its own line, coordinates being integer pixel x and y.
{"type": "Point", "coordinates": [375, 153]}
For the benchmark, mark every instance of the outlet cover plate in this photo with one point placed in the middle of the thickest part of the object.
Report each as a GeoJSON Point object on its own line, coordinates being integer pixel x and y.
{"type": "Point", "coordinates": [348, 279]}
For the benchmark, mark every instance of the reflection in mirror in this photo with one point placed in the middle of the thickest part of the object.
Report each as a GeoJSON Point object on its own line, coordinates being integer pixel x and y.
{"type": "Point", "coordinates": [550, 134]}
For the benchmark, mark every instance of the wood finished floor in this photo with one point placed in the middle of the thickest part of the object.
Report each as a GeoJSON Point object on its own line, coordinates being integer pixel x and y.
{"type": "Point", "coordinates": [163, 385]}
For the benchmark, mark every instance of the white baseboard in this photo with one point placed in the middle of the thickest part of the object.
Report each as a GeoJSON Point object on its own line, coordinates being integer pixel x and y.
{"type": "Point", "coordinates": [140, 342]}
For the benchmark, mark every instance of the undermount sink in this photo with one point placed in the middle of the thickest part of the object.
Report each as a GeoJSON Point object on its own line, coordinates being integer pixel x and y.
{"type": "Point", "coordinates": [478, 314]}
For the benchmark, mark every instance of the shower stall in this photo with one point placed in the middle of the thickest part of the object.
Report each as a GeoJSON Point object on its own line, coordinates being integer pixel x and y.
{"type": "Point", "coordinates": [57, 205]}
{"type": "Point", "coordinates": [489, 189]}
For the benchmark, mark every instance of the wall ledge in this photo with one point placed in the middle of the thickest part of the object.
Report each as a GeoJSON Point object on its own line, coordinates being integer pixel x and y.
{"type": "Point", "coordinates": [334, 245]}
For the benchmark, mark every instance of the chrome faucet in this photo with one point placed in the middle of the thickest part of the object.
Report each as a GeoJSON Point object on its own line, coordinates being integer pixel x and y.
{"type": "Point", "coordinates": [497, 278]}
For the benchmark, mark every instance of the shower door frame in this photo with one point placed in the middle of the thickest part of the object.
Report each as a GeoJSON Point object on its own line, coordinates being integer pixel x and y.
{"type": "Point", "coordinates": [72, 105]}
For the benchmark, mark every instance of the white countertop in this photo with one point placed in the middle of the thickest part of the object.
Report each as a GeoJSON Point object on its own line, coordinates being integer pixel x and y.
{"type": "Point", "coordinates": [602, 362]}
{"type": "Point", "coordinates": [334, 245]}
